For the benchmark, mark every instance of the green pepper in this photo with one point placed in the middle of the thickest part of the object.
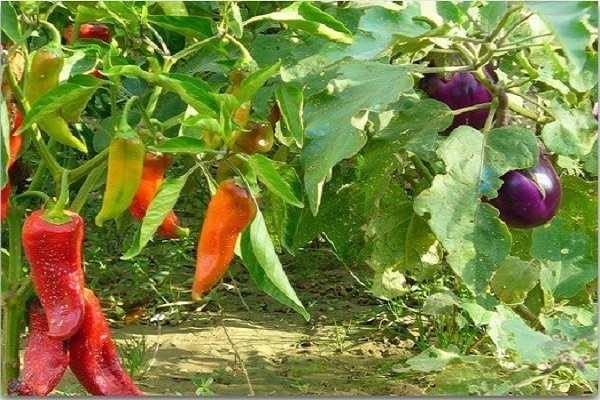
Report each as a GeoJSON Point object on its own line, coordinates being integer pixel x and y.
{"type": "Point", "coordinates": [46, 64]}
{"type": "Point", "coordinates": [125, 166]}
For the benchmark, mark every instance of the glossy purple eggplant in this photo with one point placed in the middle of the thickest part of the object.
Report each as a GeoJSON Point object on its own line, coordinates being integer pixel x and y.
{"type": "Point", "coordinates": [459, 91]}
{"type": "Point", "coordinates": [529, 197]}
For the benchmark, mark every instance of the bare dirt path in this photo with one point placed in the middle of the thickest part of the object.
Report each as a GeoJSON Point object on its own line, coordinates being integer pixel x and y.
{"type": "Point", "coordinates": [337, 353]}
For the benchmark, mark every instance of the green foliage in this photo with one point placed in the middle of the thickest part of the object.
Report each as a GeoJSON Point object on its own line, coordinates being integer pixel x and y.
{"type": "Point", "coordinates": [362, 162]}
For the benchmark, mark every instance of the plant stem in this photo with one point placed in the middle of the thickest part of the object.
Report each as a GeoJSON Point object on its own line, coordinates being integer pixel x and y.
{"type": "Point", "coordinates": [44, 152]}
{"type": "Point", "coordinates": [471, 108]}
{"type": "Point", "coordinates": [193, 48]}
{"type": "Point", "coordinates": [32, 193]}
{"type": "Point", "coordinates": [12, 313]}
{"type": "Point", "coordinates": [513, 28]}
{"type": "Point", "coordinates": [85, 189]}
{"type": "Point", "coordinates": [55, 33]}
{"type": "Point", "coordinates": [245, 53]}
{"type": "Point", "coordinates": [503, 23]}
{"type": "Point", "coordinates": [449, 69]}
{"type": "Point", "coordinates": [83, 170]}
{"type": "Point", "coordinates": [422, 168]}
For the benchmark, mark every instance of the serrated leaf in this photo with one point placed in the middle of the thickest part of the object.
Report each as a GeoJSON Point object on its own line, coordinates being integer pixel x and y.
{"type": "Point", "coordinates": [291, 104]}
{"type": "Point", "coordinates": [573, 133]}
{"type": "Point", "coordinates": [190, 26]}
{"type": "Point", "coordinates": [567, 261]}
{"type": "Point", "coordinates": [259, 256]}
{"type": "Point", "coordinates": [565, 19]}
{"type": "Point", "coordinates": [184, 145]}
{"type": "Point", "coordinates": [517, 341]}
{"type": "Point", "coordinates": [255, 81]}
{"type": "Point", "coordinates": [405, 132]}
{"type": "Point", "coordinates": [389, 284]}
{"type": "Point", "coordinates": [163, 202]}
{"type": "Point", "coordinates": [401, 240]}
{"type": "Point", "coordinates": [513, 280]}
{"type": "Point", "coordinates": [75, 91]}
{"type": "Point", "coordinates": [441, 303]}
{"type": "Point", "coordinates": [476, 240]}
{"type": "Point", "coordinates": [267, 172]}
{"type": "Point", "coordinates": [330, 135]}
{"type": "Point", "coordinates": [307, 17]}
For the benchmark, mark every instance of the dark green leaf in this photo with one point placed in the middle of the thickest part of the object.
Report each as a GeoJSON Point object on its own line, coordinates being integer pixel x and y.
{"type": "Point", "coordinates": [307, 17]}
{"type": "Point", "coordinates": [330, 133]}
{"type": "Point", "coordinates": [163, 202]}
{"type": "Point", "coordinates": [260, 258]}
{"type": "Point", "coordinates": [267, 172]}
{"type": "Point", "coordinates": [9, 21]}
{"type": "Point", "coordinates": [191, 26]}
{"type": "Point", "coordinates": [69, 94]}
{"type": "Point", "coordinates": [291, 104]}
{"type": "Point", "coordinates": [184, 144]}
{"type": "Point", "coordinates": [255, 81]}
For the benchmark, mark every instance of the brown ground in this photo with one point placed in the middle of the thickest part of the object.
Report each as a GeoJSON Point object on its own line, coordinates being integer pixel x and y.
{"type": "Point", "coordinates": [339, 352]}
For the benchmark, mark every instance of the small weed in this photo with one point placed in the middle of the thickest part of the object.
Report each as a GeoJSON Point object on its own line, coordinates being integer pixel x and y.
{"type": "Point", "coordinates": [134, 355]}
{"type": "Point", "coordinates": [203, 384]}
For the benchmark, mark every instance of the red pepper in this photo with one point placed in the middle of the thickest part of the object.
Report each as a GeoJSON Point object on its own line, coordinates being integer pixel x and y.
{"type": "Point", "coordinates": [15, 144]}
{"type": "Point", "coordinates": [229, 212]}
{"type": "Point", "coordinates": [54, 254]}
{"type": "Point", "coordinates": [45, 360]}
{"type": "Point", "coordinates": [89, 31]}
{"type": "Point", "coordinates": [152, 176]}
{"type": "Point", "coordinates": [94, 359]}
{"type": "Point", "coordinates": [16, 141]}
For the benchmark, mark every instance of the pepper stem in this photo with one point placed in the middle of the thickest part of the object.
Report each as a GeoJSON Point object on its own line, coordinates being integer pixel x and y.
{"type": "Point", "coordinates": [55, 34]}
{"type": "Point", "coordinates": [57, 215]}
{"type": "Point", "coordinates": [124, 125]}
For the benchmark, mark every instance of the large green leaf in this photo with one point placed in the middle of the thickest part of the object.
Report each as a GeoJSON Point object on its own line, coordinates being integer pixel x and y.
{"type": "Point", "coordinates": [567, 262]}
{"type": "Point", "coordinates": [307, 17]}
{"type": "Point", "coordinates": [516, 340]}
{"type": "Point", "coordinates": [401, 240]}
{"type": "Point", "coordinates": [565, 19]}
{"type": "Point", "coordinates": [404, 132]}
{"type": "Point", "coordinates": [163, 202]}
{"type": "Point", "coordinates": [70, 95]}
{"type": "Point", "coordinates": [330, 133]}
{"type": "Point", "coordinates": [574, 131]}
{"type": "Point", "coordinates": [513, 280]}
{"type": "Point", "coordinates": [9, 21]}
{"type": "Point", "coordinates": [192, 26]}
{"type": "Point", "coordinates": [342, 218]}
{"type": "Point", "coordinates": [259, 256]}
{"type": "Point", "coordinates": [268, 173]}
{"type": "Point", "coordinates": [291, 105]}
{"type": "Point", "coordinates": [476, 240]}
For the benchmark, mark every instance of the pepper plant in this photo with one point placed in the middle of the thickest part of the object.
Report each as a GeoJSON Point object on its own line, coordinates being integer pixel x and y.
{"type": "Point", "coordinates": [420, 138]}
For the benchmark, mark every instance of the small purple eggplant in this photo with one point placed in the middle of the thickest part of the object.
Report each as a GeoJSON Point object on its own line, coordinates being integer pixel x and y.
{"type": "Point", "coordinates": [460, 91]}
{"type": "Point", "coordinates": [529, 197]}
